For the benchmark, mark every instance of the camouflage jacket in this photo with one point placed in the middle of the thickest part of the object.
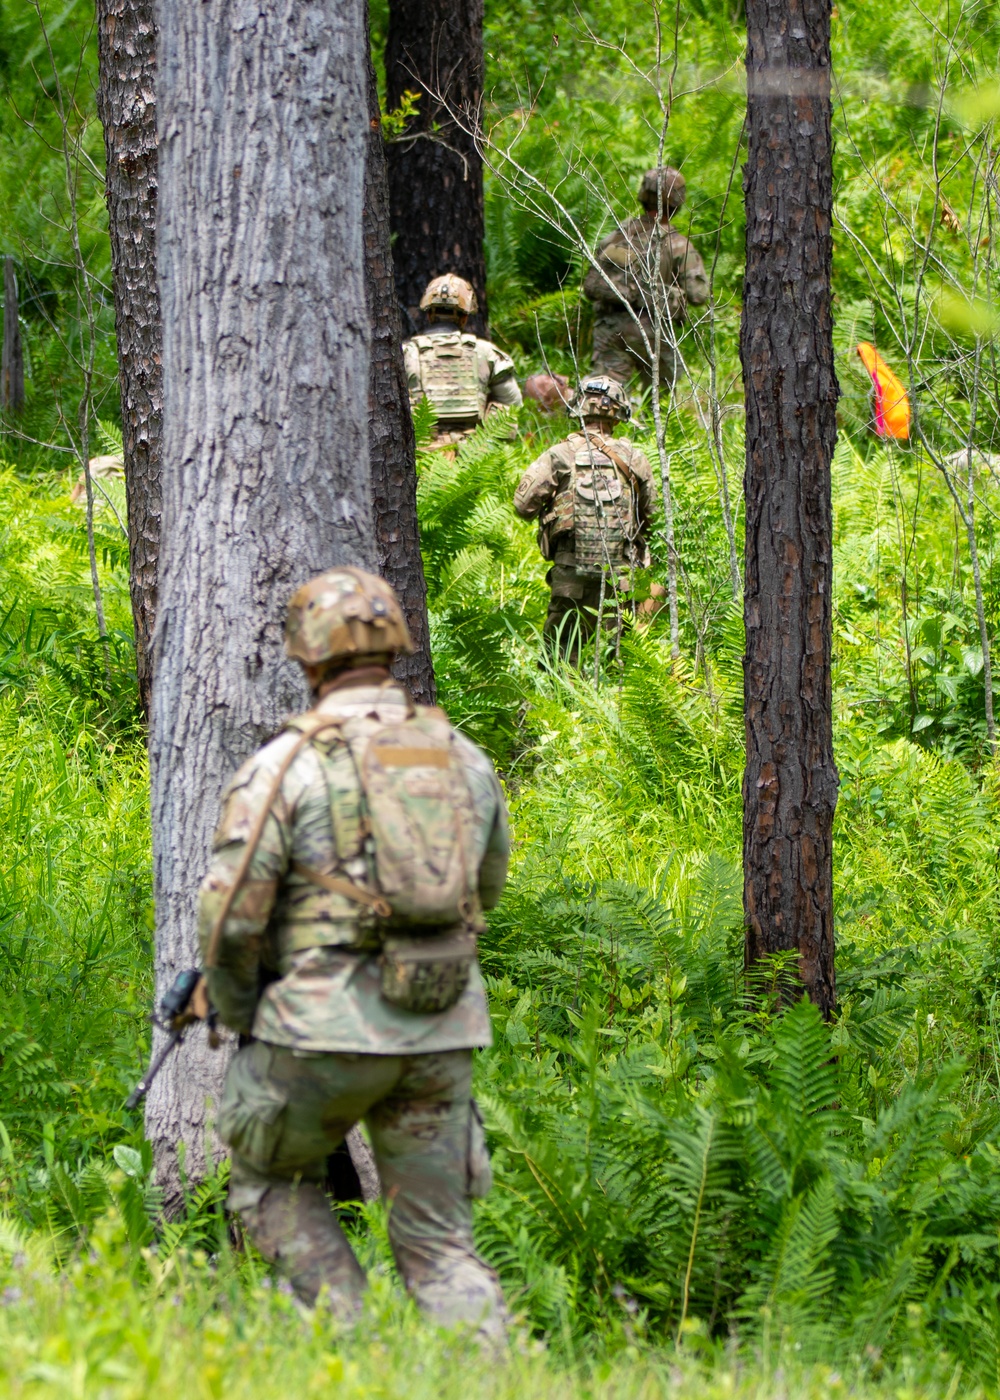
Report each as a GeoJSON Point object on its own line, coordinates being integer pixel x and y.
{"type": "Point", "coordinates": [319, 948]}
{"type": "Point", "coordinates": [545, 492]}
{"type": "Point", "coordinates": [461, 375]}
{"type": "Point", "coordinates": [626, 258]}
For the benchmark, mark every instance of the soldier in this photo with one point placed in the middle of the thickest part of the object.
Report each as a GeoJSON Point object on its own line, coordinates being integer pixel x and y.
{"type": "Point", "coordinates": [626, 261]}
{"type": "Point", "coordinates": [593, 499]}
{"type": "Point", "coordinates": [338, 920]}
{"type": "Point", "coordinates": [463, 377]}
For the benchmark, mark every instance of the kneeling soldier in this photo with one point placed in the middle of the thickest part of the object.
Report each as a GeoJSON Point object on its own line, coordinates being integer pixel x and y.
{"type": "Point", "coordinates": [355, 855]}
{"type": "Point", "coordinates": [593, 498]}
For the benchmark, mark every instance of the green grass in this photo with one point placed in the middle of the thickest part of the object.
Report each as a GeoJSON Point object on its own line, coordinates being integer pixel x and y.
{"type": "Point", "coordinates": [212, 1330]}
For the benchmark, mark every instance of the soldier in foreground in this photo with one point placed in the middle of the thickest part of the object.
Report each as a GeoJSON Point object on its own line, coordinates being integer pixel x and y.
{"type": "Point", "coordinates": [626, 276]}
{"type": "Point", "coordinates": [461, 376]}
{"type": "Point", "coordinates": [355, 855]}
{"type": "Point", "coordinates": [593, 499]}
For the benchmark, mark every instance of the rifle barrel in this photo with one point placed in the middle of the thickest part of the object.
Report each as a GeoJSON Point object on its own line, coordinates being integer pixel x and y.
{"type": "Point", "coordinates": [140, 1090]}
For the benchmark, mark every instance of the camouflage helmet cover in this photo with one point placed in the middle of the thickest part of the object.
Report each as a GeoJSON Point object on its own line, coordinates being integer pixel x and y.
{"type": "Point", "coordinates": [600, 397]}
{"type": "Point", "coordinates": [344, 613]}
{"type": "Point", "coordinates": [450, 293]}
{"type": "Point", "coordinates": [674, 189]}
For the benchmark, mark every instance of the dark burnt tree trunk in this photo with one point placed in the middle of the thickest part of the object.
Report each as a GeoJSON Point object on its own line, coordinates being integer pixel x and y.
{"type": "Point", "coordinates": [790, 784]}
{"type": "Point", "coordinates": [435, 48]}
{"type": "Point", "coordinates": [126, 101]}
{"type": "Point", "coordinates": [390, 429]}
{"type": "Point", "coordinates": [12, 367]}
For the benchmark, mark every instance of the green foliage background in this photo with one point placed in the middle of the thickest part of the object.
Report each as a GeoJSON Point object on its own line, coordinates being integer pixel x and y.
{"type": "Point", "coordinates": [692, 1187]}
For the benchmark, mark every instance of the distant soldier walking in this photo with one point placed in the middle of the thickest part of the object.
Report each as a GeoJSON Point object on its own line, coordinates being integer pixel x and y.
{"type": "Point", "coordinates": [462, 376]}
{"type": "Point", "coordinates": [593, 499]}
{"type": "Point", "coordinates": [354, 857]}
{"type": "Point", "coordinates": [645, 266]}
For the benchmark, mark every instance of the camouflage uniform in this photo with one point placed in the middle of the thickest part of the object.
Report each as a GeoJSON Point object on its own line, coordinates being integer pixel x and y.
{"type": "Point", "coordinates": [462, 376]}
{"type": "Point", "coordinates": [546, 492]}
{"type": "Point", "coordinates": [625, 261]}
{"type": "Point", "coordinates": [328, 1050]}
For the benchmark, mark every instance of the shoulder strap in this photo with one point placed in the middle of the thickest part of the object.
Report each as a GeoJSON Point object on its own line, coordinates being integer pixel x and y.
{"type": "Point", "coordinates": [308, 726]}
{"type": "Point", "coordinates": [347, 888]}
{"type": "Point", "coordinates": [619, 462]}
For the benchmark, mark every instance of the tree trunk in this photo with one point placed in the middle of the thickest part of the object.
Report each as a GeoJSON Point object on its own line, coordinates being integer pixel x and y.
{"type": "Point", "coordinates": [390, 429]}
{"type": "Point", "coordinates": [786, 345]}
{"type": "Point", "coordinates": [126, 101]}
{"type": "Point", "coordinates": [435, 48]}
{"type": "Point", "coordinates": [12, 369]}
{"type": "Point", "coordinates": [263, 128]}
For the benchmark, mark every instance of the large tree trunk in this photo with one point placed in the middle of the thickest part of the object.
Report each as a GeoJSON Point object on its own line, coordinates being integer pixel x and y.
{"type": "Point", "coordinates": [435, 48]}
{"type": "Point", "coordinates": [786, 345]}
{"type": "Point", "coordinates": [390, 429]}
{"type": "Point", "coordinates": [263, 125]}
{"type": "Point", "coordinates": [126, 35]}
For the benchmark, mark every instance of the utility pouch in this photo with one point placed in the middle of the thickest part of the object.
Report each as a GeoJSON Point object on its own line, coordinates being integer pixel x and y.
{"type": "Point", "coordinates": [426, 975]}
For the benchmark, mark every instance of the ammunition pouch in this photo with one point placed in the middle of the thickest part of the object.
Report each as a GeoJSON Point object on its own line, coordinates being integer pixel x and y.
{"type": "Point", "coordinates": [426, 974]}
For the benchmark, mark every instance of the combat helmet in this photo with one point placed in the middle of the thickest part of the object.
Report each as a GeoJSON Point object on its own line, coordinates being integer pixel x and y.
{"type": "Point", "coordinates": [674, 189]}
{"type": "Point", "coordinates": [451, 296]}
{"type": "Point", "coordinates": [342, 614]}
{"type": "Point", "coordinates": [600, 397]}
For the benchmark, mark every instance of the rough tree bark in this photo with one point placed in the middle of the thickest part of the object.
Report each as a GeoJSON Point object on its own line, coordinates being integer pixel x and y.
{"type": "Point", "coordinates": [126, 33]}
{"type": "Point", "coordinates": [263, 128]}
{"type": "Point", "coordinates": [435, 48]}
{"type": "Point", "coordinates": [12, 366]}
{"type": "Point", "coordinates": [786, 345]}
{"type": "Point", "coordinates": [390, 429]}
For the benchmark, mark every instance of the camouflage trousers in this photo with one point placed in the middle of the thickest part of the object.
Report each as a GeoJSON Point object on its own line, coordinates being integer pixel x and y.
{"type": "Point", "coordinates": [284, 1111]}
{"type": "Point", "coordinates": [619, 350]}
{"type": "Point", "coordinates": [571, 620]}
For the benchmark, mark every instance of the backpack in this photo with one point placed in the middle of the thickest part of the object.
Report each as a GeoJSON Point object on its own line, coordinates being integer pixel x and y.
{"type": "Point", "coordinates": [420, 817]}
{"type": "Point", "coordinates": [449, 375]}
{"type": "Point", "coordinates": [421, 826]}
{"type": "Point", "coordinates": [599, 507]}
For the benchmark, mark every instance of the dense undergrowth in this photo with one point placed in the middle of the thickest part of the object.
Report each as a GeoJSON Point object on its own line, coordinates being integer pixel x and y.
{"type": "Point", "coordinates": [673, 1157]}
{"type": "Point", "coordinates": [697, 1193]}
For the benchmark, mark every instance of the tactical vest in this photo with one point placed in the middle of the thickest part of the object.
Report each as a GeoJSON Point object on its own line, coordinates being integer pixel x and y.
{"type": "Point", "coordinates": [599, 509]}
{"type": "Point", "coordinates": [449, 376]}
{"type": "Point", "coordinates": [403, 815]}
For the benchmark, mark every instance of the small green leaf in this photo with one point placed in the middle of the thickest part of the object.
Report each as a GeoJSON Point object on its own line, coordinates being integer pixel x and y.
{"type": "Point", "coordinates": [129, 1160]}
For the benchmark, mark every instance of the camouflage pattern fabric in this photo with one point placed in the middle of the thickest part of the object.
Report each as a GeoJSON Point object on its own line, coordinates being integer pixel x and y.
{"type": "Point", "coordinates": [571, 618]}
{"type": "Point", "coordinates": [462, 376]}
{"type": "Point", "coordinates": [620, 350]}
{"type": "Point", "coordinates": [284, 1111]}
{"type": "Point", "coordinates": [320, 948]}
{"type": "Point", "coordinates": [625, 276]}
{"type": "Point", "coordinates": [626, 269]}
{"type": "Point", "coordinates": [546, 492]}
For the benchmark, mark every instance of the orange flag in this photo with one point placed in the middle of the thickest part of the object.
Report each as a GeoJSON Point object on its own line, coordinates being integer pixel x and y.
{"type": "Point", "coordinates": [892, 407]}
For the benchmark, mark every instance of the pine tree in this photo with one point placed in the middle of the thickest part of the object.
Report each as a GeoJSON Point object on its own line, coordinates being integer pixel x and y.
{"type": "Point", "coordinates": [435, 49]}
{"type": "Point", "coordinates": [786, 345]}
{"type": "Point", "coordinates": [126, 31]}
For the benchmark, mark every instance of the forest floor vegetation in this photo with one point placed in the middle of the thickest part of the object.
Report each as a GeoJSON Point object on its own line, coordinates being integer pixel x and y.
{"type": "Point", "coordinates": [696, 1191]}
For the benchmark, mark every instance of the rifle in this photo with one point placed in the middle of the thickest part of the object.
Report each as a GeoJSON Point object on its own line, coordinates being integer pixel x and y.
{"type": "Point", "coordinates": [185, 1002]}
